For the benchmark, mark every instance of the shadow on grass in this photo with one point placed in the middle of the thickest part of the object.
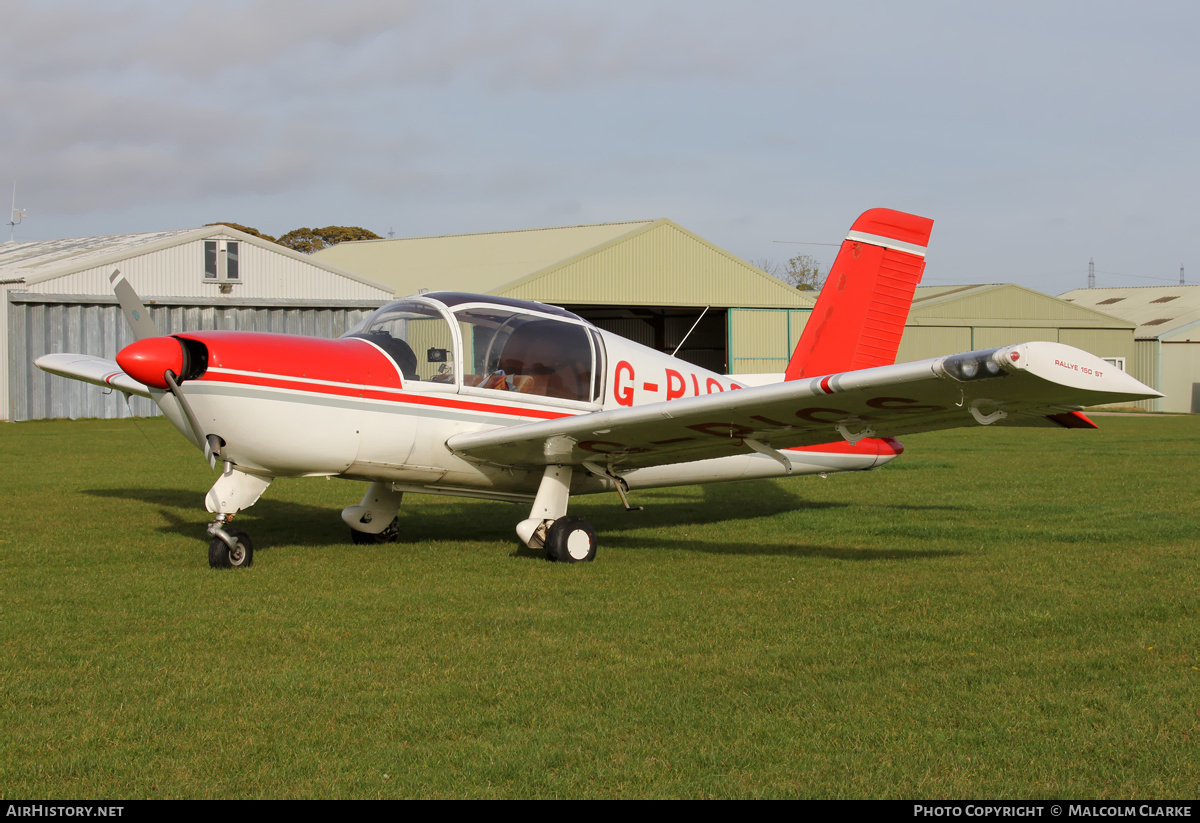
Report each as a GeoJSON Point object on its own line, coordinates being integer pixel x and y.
{"type": "Point", "coordinates": [282, 522]}
{"type": "Point", "coordinates": [790, 550]}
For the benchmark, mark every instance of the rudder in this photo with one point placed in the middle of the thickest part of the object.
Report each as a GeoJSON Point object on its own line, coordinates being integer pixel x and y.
{"type": "Point", "coordinates": [859, 318]}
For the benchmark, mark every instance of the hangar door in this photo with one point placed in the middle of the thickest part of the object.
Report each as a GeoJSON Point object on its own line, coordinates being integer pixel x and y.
{"type": "Point", "coordinates": [664, 327]}
{"type": "Point", "coordinates": [762, 340]}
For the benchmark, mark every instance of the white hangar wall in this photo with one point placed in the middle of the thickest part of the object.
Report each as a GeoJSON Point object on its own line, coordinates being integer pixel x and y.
{"type": "Point", "coordinates": [58, 298]}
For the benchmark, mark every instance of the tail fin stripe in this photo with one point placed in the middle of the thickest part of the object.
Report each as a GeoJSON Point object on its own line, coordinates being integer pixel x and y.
{"type": "Point", "coordinates": [886, 242]}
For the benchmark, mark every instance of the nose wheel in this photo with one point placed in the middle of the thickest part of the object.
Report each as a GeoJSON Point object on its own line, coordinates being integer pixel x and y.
{"type": "Point", "coordinates": [229, 548]}
{"type": "Point", "coordinates": [389, 535]}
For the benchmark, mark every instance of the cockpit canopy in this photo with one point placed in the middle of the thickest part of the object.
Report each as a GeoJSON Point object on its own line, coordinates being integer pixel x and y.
{"type": "Point", "coordinates": [485, 344]}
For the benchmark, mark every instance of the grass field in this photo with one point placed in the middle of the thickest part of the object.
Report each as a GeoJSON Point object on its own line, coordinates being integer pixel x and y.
{"type": "Point", "coordinates": [999, 613]}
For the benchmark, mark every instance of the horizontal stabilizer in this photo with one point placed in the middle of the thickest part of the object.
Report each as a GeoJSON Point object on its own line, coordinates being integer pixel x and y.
{"type": "Point", "coordinates": [89, 369]}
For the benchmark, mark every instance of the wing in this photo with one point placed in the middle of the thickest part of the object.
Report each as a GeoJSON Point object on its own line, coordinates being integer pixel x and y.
{"type": "Point", "coordinates": [91, 369]}
{"type": "Point", "coordinates": [1013, 385]}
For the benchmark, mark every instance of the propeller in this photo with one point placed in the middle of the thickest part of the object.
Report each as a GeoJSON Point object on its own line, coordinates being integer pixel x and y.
{"type": "Point", "coordinates": [157, 361]}
{"type": "Point", "coordinates": [135, 311]}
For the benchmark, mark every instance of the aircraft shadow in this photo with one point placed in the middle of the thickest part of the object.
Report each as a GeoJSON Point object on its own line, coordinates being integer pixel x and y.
{"type": "Point", "coordinates": [280, 522]}
{"type": "Point", "coordinates": [791, 550]}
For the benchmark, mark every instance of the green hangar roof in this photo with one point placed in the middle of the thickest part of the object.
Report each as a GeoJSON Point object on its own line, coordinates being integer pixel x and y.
{"type": "Point", "coordinates": [1003, 304]}
{"type": "Point", "coordinates": [1160, 312]}
{"type": "Point", "coordinates": [648, 262]}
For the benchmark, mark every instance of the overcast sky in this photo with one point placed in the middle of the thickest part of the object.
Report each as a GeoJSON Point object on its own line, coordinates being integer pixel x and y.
{"type": "Point", "coordinates": [1035, 134]}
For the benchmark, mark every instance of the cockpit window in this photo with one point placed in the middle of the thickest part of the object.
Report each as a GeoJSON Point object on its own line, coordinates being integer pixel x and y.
{"type": "Point", "coordinates": [510, 351]}
{"type": "Point", "coordinates": [415, 336]}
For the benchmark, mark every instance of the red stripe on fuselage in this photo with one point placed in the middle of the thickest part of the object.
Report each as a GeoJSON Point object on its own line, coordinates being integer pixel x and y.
{"type": "Point", "coordinates": [370, 393]}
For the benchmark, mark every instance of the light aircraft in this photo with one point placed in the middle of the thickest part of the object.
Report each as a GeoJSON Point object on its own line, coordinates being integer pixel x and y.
{"type": "Point", "coordinates": [488, 397]}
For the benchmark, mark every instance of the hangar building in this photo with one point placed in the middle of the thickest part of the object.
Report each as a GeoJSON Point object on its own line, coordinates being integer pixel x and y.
{"type": "Point", "coordinates": [650, 281]}
{"type": "Point", "coordinates": [950, 319]}
{"type": "Point", "coordinates": [57, 297]}
{"type": "Point", "coordinates": [1167, 338]}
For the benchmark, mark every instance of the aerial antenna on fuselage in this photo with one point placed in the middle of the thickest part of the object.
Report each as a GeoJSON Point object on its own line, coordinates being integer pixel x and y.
{"type": "Point", "coordinates": [17, 215]}
{"type": "Point", "coordinates": [692, 329]}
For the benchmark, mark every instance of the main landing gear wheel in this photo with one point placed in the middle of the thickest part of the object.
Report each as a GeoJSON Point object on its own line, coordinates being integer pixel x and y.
{"type": "Point", "coordinates": [221, 556]}
{"type": "Point", "coordinates": [571, 540]}
{"type": "Point", "coordinates": [388, 535]}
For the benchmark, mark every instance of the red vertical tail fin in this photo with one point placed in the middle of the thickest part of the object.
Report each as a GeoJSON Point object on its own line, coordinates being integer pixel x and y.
{"type": "Point", "coordinates": [859, 318]}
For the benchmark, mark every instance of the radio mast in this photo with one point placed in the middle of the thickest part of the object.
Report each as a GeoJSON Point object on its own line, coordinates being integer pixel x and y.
{"type": "Point", "coordinates": [17, 215]}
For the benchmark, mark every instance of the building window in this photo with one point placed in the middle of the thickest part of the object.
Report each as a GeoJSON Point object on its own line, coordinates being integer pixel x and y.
{"type": "Point", "coordinates": [221, 263]}
{"type": "Point", "coordinates": [210, 259]}
{"type": "Point", "coordinates": [1118, 362]}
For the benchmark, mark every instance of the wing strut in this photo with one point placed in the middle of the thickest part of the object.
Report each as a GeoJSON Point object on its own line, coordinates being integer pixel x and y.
{"type": "Point", "coordinates": [774, 454]}
{"type": "Point", "coordinates": [618, 481]}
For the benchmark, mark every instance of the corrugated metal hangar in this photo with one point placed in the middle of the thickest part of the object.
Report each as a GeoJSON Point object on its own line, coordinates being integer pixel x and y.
{"type": "Point", "coordinates": [649, 280]}
{"type": "Point", "coordinates": [950, 319]}
{"type": "Point", "coordinates": [1167, 348]}
{"type": "Point", "coordinates": [57, 297]}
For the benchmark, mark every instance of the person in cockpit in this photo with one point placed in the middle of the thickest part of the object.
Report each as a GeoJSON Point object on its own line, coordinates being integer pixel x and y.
{"type": "Point", "coordinates": [554, 356]}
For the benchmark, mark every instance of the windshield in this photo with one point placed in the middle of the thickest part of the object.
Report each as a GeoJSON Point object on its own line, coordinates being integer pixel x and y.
{"type": "Point", "coordinates": [415, 336]}
{"type": "Point", "coordinates": [510, 351]}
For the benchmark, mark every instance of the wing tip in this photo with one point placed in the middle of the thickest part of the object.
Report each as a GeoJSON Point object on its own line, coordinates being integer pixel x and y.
{"type": "Point", "coordinates": [1072, 420]}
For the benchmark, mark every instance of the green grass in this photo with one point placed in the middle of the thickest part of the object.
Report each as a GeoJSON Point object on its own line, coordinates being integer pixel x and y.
{"type": "Point", "coordinates": [999, 613]}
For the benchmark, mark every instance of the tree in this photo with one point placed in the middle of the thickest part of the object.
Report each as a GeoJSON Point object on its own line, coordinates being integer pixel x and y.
{"type": "Point", "coordinates": [766, 264]}
{"type": "Point", "coordinates": [803, 272]}
{"type": "Point", "coordinates": [310, 240]}
{"type": "Point", "coordinates": [247, 229]}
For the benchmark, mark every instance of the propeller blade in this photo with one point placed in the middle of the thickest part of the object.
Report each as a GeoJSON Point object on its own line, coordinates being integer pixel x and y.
{"type": "Point", "coordinates": [143, 328]}
{"type": "Point", "coordinates": [203, 440]}
{"type": "Point", "coordinates": [135, 311]}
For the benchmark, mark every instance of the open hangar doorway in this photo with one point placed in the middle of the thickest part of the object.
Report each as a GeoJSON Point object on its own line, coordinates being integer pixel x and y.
{"type": "Point", "coordinates": [664, 327]}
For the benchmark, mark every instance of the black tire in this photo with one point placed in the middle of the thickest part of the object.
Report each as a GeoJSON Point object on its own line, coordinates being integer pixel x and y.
{"type": "Point", "coordinates": [220, 557]}
{"type": "Point", "coordinates": [571, 540]}
{"type": "Point", "coordinates": [388, 535]}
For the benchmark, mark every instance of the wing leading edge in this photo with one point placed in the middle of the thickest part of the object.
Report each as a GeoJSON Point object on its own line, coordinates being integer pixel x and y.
{"type": "Point", "coordinates": [1013, 385]}
{"type": "Point", "coordinates": [94, 370]}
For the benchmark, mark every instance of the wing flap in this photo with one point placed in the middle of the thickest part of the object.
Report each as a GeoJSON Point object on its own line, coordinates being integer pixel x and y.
{"type": "Point", "coordinates": [90, 369]}
{"type": "Point", "coordinates": [1021, 386]}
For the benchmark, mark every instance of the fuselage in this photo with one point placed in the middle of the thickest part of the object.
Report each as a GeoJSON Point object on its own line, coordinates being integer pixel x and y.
{"type": "Point", "coordinates": [380, 402]}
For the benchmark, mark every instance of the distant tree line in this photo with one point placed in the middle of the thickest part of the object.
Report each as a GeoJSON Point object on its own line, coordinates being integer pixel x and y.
{"type": "Point", "coordinates": [801, 272]}
{"type": "Point", "coordinates": [308, 240]}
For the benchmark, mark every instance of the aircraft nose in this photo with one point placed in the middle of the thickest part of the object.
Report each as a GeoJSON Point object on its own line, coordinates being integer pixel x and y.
{"type": "Point", "coordinates": [147, 360]}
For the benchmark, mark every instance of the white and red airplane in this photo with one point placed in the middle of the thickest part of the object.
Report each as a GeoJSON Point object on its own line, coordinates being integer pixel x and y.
{"type": "Point", "coordinates": [487, 397]}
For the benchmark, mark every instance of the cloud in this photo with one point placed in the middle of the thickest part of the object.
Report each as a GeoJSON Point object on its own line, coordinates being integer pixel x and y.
{"type": "Point", "coordinates": [755, 121]}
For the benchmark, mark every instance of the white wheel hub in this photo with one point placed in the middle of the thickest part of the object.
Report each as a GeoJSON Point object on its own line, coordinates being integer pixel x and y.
{"type": "Point", "coordinates": [579, 544]}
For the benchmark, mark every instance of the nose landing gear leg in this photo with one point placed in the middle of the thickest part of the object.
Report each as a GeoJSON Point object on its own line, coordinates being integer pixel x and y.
{"type": "Point", "coordinates": [230, 548]}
